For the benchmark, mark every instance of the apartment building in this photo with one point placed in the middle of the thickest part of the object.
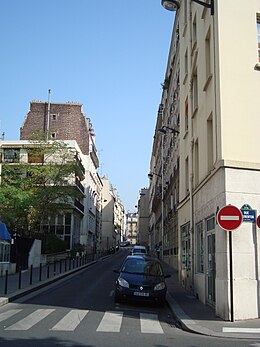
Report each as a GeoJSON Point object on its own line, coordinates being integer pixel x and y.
{"type": "Point", "coordinates": [207, 155]}
{"type": "Point", "coordinates": [67, 122]}
{"type": "Point", "coordinates": [143, 218]}
{"type": "Point", "coordinates": [113, 216]}
{"type": "Point", "coordinates": [66, 224]}
{"type": "Point", "coordinates": [131, 227]}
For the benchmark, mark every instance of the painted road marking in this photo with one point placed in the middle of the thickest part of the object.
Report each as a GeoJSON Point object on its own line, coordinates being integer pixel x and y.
{"type": "Point", "coordinates": [111, 322]}
{"type": "Point", "coordinates": [31, 320]}
{"type": "Point", "coordinates": [150, 324]}
{"type": "Point", "coordinates": [70, 321]}
{"type": "Point", "coordinates": [241, 330]}
{"type": "Point", "coordinates": [8, 314]}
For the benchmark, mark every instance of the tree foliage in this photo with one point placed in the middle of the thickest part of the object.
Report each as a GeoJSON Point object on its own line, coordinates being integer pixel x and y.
{"type": "Point", "coordinates": [41, 185]}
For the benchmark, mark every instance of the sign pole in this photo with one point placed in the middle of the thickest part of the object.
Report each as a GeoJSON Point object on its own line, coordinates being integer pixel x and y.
{"type": "Point", "coordinates": [231, 277]}
{"type": "Point", "coordinates": [230, 218]}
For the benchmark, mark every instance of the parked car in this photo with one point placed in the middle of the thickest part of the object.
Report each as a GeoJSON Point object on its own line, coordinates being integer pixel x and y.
{"type": "Point", "coordinates": [141, 278]}
{"type": "Point", "coordinates": [138, 250]}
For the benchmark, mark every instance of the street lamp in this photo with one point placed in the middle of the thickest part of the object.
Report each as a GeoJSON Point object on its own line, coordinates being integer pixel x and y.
{"type": "Point", "coordinates": [174, 5]}
{"type": "Point", "coordinates": [151, 174]}
{"type": "Point", "coordinates": [164, 129]}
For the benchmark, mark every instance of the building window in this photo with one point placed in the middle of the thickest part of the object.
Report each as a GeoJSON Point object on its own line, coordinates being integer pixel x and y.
{"type": "Point", "coordinates": [35, 157]}
{"type": "Point", "coordinates": [186, 112]}
{"type": "Point", "coordinates": [194, 34]}
{"type": "Point", "coordinates": [11, 155]}
{"type": "Point", "coordinates": [185, 240]}
{"type": "Point", "coordinates": [195, 91]}
{"type": "Point", "coordinates": [185, 67]}
{"type": "Point", "coordinates": [211, 224]}
{"type": "Point", "coordinates": [258, 34]}
{"type": "Point", "coordinates": [185, 11]}
{"type": "Point", "coordinates": [210, 142]}
{"type": "Point", "coordinates": [199, 248]}
{"type": "Point", "coordinates": [196, 162]}
{"type": "Point", "coordinates": [53, 136]}
{"type": "Point", "coordinates": [208, 64]}
{"type": "Point", "coordinates": [187, 175]}
{"type": "Point", "coordinates": [5, 251]}
{"type": "Point", "coordinates": [53, 116]}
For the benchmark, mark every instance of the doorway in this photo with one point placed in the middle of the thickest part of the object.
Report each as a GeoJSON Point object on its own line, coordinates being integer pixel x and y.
{"type": "Point", "coordinates": [211, 263]}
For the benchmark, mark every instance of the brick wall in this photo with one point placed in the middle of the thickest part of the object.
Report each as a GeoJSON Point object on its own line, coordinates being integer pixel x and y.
{"type": "Point", "coordinates": [67, 122]}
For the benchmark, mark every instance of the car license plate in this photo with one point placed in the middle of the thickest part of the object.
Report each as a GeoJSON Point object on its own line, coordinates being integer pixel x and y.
{"type": "Point", "coordinates": [141, 294]}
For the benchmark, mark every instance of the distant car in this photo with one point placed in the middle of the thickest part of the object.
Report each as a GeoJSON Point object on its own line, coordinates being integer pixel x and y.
{"type": "Point", "coordinates": [136, 250]}
{"type": "Point", "coordinates": [141, 278]}
{"type": "Point", "coordinates": [124, 243]}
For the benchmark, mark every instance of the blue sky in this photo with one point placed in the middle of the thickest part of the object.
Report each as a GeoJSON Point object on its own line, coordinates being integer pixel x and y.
{"type": "Point", "coordinates": [109, 55]}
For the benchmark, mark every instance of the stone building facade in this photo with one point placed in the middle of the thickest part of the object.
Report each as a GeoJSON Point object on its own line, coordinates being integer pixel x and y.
{"type": "Point", "coordinates": [214, 156]}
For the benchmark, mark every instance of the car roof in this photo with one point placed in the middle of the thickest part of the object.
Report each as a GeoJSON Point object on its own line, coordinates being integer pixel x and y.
{"type": "Point", "coordinates": [139, 247]}
{"type": "Point", "coordinates": [143, 257]}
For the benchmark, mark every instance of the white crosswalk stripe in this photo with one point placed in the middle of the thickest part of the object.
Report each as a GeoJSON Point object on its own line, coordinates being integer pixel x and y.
{"type": "Point", "coordinates": [150, 324]}
{"type": "Point", "coordinates": [8, 314]}
{"type": "Point", "coordinates": [70, 321]}
{"type": "Point", "coordinates": [31, 320]}
{"type": "Point", "coordinates": [111, 322]}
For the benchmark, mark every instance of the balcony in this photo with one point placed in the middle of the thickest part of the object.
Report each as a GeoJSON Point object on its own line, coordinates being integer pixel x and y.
{"type": "Point", "coordinates": [94, 157]}
{"type": "Point", "coordinates": [156, 199]}
{"type": "Point", "coordinates": [80, 170]}
{"type": "Point", "coordinates": [79, 206]}
{"type": "Point", "coordinates": [80, 185]}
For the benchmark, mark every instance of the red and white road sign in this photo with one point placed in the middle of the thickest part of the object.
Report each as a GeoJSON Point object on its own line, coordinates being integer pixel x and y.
{"type": "Point", "coordinates": [229, 217]}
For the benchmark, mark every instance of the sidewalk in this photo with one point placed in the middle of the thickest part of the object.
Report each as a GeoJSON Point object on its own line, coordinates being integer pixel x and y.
{"type": "Point", "coordinates": [196, 317]}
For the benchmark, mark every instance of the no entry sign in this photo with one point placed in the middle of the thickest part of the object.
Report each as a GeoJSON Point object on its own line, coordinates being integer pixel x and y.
{"type": "Point", "coordinates": [229, 217]}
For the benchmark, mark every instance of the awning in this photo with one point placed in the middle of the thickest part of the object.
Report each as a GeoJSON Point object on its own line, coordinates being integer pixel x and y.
{"type": "Point", "coordinates": [4, 234]}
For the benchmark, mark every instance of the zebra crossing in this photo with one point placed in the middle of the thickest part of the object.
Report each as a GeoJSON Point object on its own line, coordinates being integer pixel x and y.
{"type": "Point", "coordinates": [111, 321]}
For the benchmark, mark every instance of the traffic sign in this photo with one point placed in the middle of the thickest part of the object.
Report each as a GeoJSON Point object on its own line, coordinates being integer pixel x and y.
{"type": "Point", "coordinates": [229, 217]}
{"type": "Point", "coordinates": [249, 215]}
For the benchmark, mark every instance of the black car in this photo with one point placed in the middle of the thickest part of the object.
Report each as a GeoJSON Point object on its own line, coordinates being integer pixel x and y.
{"type": "Point", "coordinates": [141, 278]}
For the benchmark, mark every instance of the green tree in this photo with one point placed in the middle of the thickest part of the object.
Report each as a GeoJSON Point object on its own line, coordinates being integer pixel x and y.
{"type": "Point", "coordinates": [42, 186]}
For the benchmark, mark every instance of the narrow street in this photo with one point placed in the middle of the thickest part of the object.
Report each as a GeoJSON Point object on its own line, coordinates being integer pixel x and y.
{"type": "Point", "coordinates": [80, 311]}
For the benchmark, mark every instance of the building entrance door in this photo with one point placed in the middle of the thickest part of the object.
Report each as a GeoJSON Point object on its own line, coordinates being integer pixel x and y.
{"type": "Point", "coordinates": [211, 264]}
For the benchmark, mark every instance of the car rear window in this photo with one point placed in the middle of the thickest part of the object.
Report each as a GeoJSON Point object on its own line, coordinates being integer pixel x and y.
{"type": "Point", "coordinates": [139, 250]}
{"type": "Point", "coordinates": [150, 268]}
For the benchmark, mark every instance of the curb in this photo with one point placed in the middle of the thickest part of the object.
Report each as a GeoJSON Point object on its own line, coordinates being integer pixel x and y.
{"type": "Point", "coordinates": [189, 325]}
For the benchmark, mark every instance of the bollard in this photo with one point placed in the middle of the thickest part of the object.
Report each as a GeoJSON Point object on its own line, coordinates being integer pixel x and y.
{"type": "Point", "coordinates": [48, 270]}
{"type": "Point", "coordinates": [31, 274]}
{"type": "Point", "coordinates": [54, 269]}
{"type": "Point", "coordinates": [40, 273]}
{"type": "Point", "coordinates": [6, 280]}
{"type": "Point", "coordinates": [65, 269]}
{"type": "Point", "coordinates": [20, 279]}
{"type": "Point", "coordinates": [60, 265]}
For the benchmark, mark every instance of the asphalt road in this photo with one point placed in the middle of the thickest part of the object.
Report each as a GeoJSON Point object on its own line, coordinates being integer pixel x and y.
{"type": "Point", "coordinates": [80, 311]}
